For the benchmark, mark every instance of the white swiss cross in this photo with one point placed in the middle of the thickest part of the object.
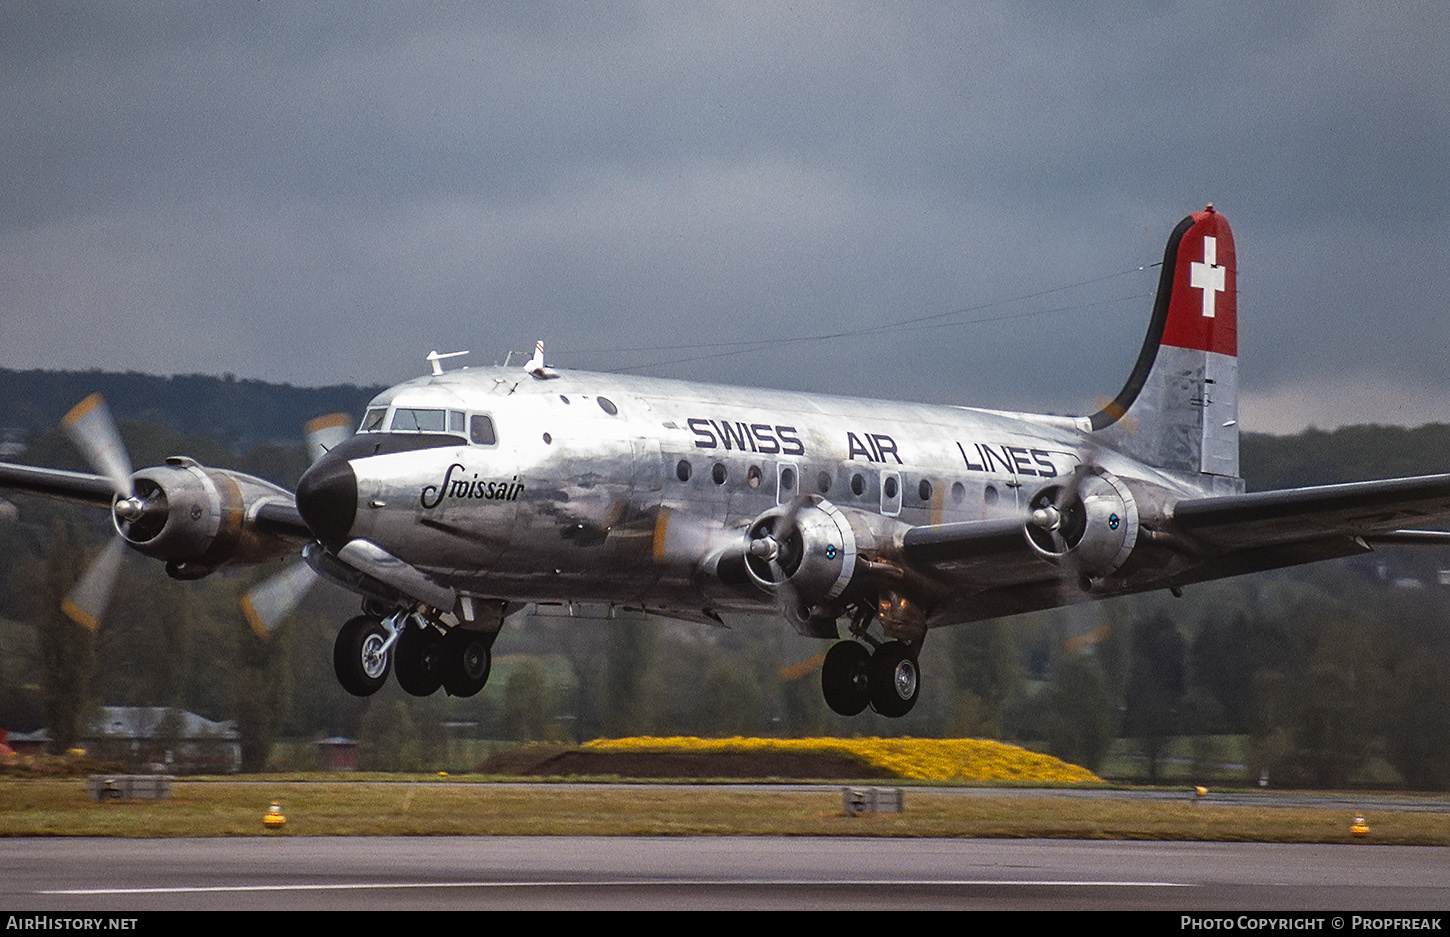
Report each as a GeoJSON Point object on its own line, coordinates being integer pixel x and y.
{"type": "Point", "coordinates": [1207, 276]}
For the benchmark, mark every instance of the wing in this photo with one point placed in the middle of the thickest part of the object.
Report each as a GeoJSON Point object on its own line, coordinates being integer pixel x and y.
{"type": "Point", "coordinates": [80, 487]}
{"type": "Point", "coordinates": [991, 569]}
{"type": "Point", "coordinates": [1358, 509]}
{"type": "Point", "coordinates": [274, 516]}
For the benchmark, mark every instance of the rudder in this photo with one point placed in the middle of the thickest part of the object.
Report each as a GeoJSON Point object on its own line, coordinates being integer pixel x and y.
{"type": "Point", "coordinates": [1181, 399]}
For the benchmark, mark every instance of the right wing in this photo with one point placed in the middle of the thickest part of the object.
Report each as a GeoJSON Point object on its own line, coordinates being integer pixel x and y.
{"type": "Point", "coordinates": [990, 568]}
{"type": "Point", "coordinates": [80, 487]}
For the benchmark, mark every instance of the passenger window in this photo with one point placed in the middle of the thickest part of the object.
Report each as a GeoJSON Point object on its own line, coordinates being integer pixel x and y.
{"type": "Point", "coordinates": [682, 470]}
{"type": "Point", "coordinates": [923, 490]}
{"type": "Point", "coordinates": [607, 405]}
{"type": "Point", "coordinates": [823, 482]}
{"type": "Point", "coordinates": [858, 484]}
{"type": "Point", "coordinates": [480, 430]}
{"type": "Point", "coordinates": [718, 473]}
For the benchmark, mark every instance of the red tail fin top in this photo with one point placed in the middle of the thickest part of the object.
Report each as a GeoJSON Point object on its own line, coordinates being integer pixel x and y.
{"type": "Point", "coordinates": [1203, 311]}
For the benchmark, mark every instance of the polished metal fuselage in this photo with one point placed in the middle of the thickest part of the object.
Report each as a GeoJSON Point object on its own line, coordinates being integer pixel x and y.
{"type": "Point", "coordinates": [618, 490]}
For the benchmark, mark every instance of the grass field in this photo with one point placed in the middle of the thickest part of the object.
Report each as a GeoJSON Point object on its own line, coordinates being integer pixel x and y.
{"type": "Point", "coordinates": [423, 807]}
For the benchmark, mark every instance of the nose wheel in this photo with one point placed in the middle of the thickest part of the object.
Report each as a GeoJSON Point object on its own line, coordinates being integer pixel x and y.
{"type": "Point", "coordinates": [888, 679]}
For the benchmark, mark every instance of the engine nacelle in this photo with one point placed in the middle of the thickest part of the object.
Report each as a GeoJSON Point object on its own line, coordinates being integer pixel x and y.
{"type": "Point", "coordinates": [197, 519]}
{"type": "Point", "coordinates": [806, 551]}
{"type": "Point", "coordinates": [1094, 532]}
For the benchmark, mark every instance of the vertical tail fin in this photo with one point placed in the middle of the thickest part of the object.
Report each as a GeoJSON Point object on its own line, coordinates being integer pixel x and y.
{"type": "Point", "coordinates": [1181, 400]}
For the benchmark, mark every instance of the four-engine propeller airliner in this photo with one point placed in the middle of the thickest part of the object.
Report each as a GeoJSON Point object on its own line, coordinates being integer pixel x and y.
{"type": "Point", "coordinates": [468, 493]}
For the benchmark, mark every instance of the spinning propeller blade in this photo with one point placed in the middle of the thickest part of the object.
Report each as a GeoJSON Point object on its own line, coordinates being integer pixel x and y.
{"type": "Point", "coordinates": [94, 433]}
{"type": "Point", "coordinates": [87, 602]}
{"type": "Point", "coordinates": [325, 432]}
{"type": "Point", "coordinates": [274, 598]}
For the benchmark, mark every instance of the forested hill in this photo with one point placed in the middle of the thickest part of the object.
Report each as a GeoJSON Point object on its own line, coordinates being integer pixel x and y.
{"type": "Point", "coordinates": [240, 414]}
{"type": "Point", "coordinates": [243, 414]}
{"type": "Point", "coordinates": [1350, 453]}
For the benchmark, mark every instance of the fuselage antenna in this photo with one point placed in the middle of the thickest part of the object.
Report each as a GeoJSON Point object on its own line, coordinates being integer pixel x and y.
{"type": "Point", "coordinates": [436, 360]}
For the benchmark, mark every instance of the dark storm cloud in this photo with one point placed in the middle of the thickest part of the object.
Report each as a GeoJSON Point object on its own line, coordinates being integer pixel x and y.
{"type": "Point", "coordinates": [320, 193]}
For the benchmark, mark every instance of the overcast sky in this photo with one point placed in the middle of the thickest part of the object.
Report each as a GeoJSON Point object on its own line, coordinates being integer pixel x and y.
{"type": "Point", "coordinates": [324, 193]}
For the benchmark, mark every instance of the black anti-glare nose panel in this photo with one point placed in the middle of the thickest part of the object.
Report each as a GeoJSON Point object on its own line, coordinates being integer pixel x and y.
{"type": "Point", "coordinates": [327, 500]}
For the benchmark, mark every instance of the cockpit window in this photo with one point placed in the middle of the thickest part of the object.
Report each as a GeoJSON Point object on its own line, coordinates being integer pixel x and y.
{"type": "Point", "coordinates": [480, 430]}
{"type": "Point", "coordinates": [419, 421]}
{"type": "Point", "coordinates": [455, 421]}
{"type": "Point", "coordinates": [373, 422]}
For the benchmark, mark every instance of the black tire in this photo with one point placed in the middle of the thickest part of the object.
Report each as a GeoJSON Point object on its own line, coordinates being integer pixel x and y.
{"type": "Point", "coordinates": [467, 662]}
{"type": "Point", "coordinates": [845, 678]}
{"type": "Point", "coordinates": [895, 679]}
{"type": "Point", "coordinates": [418, 660]}
{"type": "Point", "coordinates": [361, 667]}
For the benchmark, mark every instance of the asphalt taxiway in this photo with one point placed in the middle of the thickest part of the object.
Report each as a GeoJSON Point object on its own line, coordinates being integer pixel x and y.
{"type": "Point", "coordinates": [85, 875]}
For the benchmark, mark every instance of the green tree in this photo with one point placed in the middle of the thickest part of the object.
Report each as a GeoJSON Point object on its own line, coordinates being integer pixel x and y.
{"type": "Point", "coordinates": [631, 681]}
{"type": "Point", "coordinates": [988, 674]}
{"type": "Point", "coordinates": [389, 737]}
{"type": "Point", "coordinates": [1076, 712]}
{"type": "Point", "coordinates": [1417, 723]}
{"type": "Point", "coordinates": [729, 700]}
{"type": "Point", "coordinates": [68, 651]}
{"type": "Point", "coordinates": [259, 696]}
{"type": "Point", "coordinates": [1151, 704]}
{"type": "Point", "coordinates": [530, 710]}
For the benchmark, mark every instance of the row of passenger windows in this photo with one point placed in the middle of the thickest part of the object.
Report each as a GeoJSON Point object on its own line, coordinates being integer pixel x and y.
{"type": "Point", "coordinates": [418, 420]}
{"type": "Point", "coordinates": [824, 481]}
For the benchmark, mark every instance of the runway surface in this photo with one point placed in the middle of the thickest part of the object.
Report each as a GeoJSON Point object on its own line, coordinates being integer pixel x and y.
{"type": "Point", "coordinates": [83, 875]}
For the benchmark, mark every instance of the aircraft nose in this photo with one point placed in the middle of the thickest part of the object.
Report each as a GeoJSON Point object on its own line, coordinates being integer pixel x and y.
{"type": "Point", "coordinates": [327, 499]}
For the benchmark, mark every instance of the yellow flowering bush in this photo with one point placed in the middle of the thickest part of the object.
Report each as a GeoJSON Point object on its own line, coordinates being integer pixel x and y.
{"type": "Point", "coordinates": [918, 759]}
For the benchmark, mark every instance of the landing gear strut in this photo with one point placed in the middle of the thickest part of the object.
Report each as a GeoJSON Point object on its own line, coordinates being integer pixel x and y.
{"type": "Point", "coordinates": [888, 678]}
{"type": "Point", "coordinates": [422, 658]}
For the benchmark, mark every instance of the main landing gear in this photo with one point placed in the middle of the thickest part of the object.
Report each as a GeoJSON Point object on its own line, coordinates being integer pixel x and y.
{"type": "Point", "coordinates": [887, 679]}
{"type": "Point", "coordinates": [421, 656]}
